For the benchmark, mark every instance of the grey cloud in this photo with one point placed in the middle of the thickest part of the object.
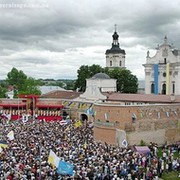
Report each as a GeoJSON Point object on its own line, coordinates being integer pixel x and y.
{"type": "Point", "coordinates": [65, 27]}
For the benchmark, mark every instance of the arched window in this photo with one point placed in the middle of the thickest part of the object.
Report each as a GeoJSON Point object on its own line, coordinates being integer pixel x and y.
{"type": "Point", "coordinates": [173, 89]}
{"type": "Point", "coordinates": [110, 63]}
{"type": "Point", "coordinates": [120, 63]}
{"type": "Point", "coordinates": [164, 88]}
{"type": "Point", "coordinates": [152, 88]}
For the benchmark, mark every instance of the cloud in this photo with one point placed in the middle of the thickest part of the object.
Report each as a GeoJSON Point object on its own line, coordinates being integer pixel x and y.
{"type": "Point", "coordinates": [53, 42]}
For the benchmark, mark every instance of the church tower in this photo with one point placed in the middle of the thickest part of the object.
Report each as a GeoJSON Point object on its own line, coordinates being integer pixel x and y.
{"type": "Point", "coordinates": [162, 71]}
{"type": "Point", "coordinates": [115, 57]}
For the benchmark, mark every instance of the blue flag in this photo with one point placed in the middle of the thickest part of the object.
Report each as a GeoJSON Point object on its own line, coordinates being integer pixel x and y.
{"type": "Point", "coordinates": [65, 168]}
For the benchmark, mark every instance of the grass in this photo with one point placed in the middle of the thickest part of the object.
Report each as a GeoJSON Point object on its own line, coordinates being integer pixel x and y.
{"type": "Point", "coordinates": [159, 153]}
{"type": "Point", "coordinates": [170, 176]}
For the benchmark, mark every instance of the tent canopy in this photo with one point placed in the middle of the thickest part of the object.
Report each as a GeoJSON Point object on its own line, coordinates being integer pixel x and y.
{"type": "Point", "coordinates": [142, 149]}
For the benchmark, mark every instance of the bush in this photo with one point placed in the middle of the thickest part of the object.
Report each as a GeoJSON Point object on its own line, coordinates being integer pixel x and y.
{"type": "Point", "coordinates": [142, 143]}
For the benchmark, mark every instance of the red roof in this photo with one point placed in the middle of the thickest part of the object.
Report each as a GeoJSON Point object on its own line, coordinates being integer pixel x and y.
{"type": "Point", "coordinates": [12, 105]}
{"type": "Point", "coordinates": [50, 105]}
{"type": "Point", "coordinates": [142, 98]}
{"type": "Point", "coordinates": [28, 96]}
{"type": "Point", "coordinates": [61, 94]}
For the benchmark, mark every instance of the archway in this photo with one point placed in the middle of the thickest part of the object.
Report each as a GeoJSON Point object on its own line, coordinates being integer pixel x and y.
{"type": "Point", "coordinates": [83, 117]}
{"type": "Point", "coordinates": [164, 88]}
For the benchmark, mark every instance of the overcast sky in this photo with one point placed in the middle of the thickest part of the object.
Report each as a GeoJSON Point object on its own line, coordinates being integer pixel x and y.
{"type": "Point", "coordinates": [52, 39]}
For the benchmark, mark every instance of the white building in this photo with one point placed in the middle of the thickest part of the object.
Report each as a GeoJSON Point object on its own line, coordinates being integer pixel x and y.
{"type": "Point", "coordinates": [97, 85]}
{"type": "Point", "coordinates": [162, 71]}
{"type": "Point", "coordinates": [115, 57]}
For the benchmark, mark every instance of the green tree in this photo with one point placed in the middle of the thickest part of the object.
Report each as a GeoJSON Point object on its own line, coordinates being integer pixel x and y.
{"type": "Point", "coordinates": [3, 89]}
{"type": "Point", "coordinates": [126, 81]}
{"type": "Point", "coordinates": [85, 72]}
{"type": "Point", "coordinates": [22, 83]}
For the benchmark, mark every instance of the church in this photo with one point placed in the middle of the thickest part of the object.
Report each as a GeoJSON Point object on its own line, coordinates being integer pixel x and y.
{"type": "Point", "coordinates": [162, 71]}
{"type": "Point", "coordinates": [115, 57]}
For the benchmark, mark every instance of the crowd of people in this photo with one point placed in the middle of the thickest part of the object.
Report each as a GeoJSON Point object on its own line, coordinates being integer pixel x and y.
{"type": "Point", "coordinates": [26, 156]}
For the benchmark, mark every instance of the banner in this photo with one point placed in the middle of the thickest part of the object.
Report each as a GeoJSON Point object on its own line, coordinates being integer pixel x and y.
{"type": "Point", "coordinates": [53, 159]}
{"type": "Point", "coordinates": [124, 143]}
{"type": "Point", "coordinates": [78, 124]}
{"type": "Point", "coordinates": [10, 135]}
{"type": "Point", "coordinates": [167, 80]}
{"type": "Point", "coordinates": [65, 168]}
{"type": "Point", "coordinates": [3, 144]}
{"type": "Point", "coordinates": [156, 73]}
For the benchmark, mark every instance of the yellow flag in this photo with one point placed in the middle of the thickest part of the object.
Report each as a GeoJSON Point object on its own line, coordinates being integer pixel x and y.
{"type": "Point", "coordinates": [53, 159]}
{"type": "Point", "coordinates": [10, 135]}
{"type": "Point", "coordinates": [78, 124]}
{"type": "Point", "coordinates": [3, 144]}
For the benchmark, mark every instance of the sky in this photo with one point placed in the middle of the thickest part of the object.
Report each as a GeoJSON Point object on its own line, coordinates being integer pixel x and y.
{"type": "Point", "coordinates": [51, 39]}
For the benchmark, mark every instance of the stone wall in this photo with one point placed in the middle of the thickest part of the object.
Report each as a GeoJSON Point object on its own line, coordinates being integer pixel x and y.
{"type": "Point", "coordinates": [157, 123]}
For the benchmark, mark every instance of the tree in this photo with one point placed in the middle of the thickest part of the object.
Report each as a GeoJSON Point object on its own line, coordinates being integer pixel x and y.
{"type": "Point", "coordinates": [3, 89]}
{"type": "Point", "coordinates": [22, 83]}
{"type": "Point", "coordinates": [85, 72]}
{"type": "Point", "coordinates": [126, 81]}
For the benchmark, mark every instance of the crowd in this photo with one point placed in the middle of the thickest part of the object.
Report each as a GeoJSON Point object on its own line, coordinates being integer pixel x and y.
{"type": "Point", "coordinates": [26, 156]}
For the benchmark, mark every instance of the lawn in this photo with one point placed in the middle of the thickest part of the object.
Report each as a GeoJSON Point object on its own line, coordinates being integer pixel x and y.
{"type": "Point", "coordinates": [176, 155]}
{"type": "Point", "coordinates": [170, 176]}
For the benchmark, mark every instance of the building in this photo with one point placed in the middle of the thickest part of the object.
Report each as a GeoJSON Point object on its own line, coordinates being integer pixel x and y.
{"type": "Point", "coordinates": [96, 86]}
{"type": "Point", "coordinates": [162, 71]}
{"type": "Point", "coordinates": [47, 89]}
{"type": "Point", "coordinates": [115, 57]}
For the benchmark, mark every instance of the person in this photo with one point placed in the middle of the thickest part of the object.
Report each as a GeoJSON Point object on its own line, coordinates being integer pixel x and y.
{"type": "Point", "coordinates": [96, 160]}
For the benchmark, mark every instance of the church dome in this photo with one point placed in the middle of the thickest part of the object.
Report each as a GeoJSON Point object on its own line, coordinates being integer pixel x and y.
{"type": "Point", "coordinates": [115, 50]}
{"type": "Point", "coordinates": [101, 76]}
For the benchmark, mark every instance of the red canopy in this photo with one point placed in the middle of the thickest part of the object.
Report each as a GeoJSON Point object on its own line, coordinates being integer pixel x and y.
{"type": "Point", "coordinates": [13, 105]}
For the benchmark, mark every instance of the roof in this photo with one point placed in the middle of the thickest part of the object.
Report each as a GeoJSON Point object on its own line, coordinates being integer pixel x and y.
{"type": "Point", "coordinates": [142, 149]}
{"type": "Point", "coordinates": [61, 94]}
{"type": "Point", "coordinates": [47, 89]}
{"type": "Point", "coordinates": [100, 76]}
{"type": "Point", "coordinates": [115, 50]}
{"type": "Point", "coordinates": [149, 98]}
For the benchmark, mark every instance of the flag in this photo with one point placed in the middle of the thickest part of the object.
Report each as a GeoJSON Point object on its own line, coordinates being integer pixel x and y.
{"type": "Point", "coordinates": [78, 124]}
{"type": "Point", "coordinates": [124, 143]}
{"type": "Point", "coordinates": [156, 75]}
{"type": "Point", "coordinates": [85, 145]}
{"type": "Point", "coordinates": [53, 159]}
{"type": "Point", "coordinates": [141, 114]}
{"type": "Point", "coordinates": [167, 114]}
{"type": "Point", "coordinates": [106, 116]}
{"type": "Point", "coordinates": [64, 122]}
{"type": "Point", "coordinates": [175, 113]}
{"type": "Point", "coordinates": [3, 144]}
{"type": "Point", "coordinates": [10, 135]}
{"type": "Point", "coordinates": [134, 117]}
{"type": "Point", "coordinates": [65, 168]}
{"type": "Point", "coordinates": [90, 111]}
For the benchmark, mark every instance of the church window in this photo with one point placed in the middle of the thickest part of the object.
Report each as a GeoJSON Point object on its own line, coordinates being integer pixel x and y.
{"type": "Point", "coordinates": [152, 88]}
{"type": "Point", "coordinates": [110, 63]}
{"type": "Point", "coordinates": [164, 88]}
{"type": "Point", "coordinates": [164, 74]}
{"type": "Point", "coordinates": [173, 88]}
{"type": "Point", "coordinates": [120, 63]}
{"type": "Point", "coordinates": [165, 61]}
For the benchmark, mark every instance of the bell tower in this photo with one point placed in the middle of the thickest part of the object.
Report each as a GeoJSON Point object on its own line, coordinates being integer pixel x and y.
{"type": "Point", "coordinates": [115, 57]}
